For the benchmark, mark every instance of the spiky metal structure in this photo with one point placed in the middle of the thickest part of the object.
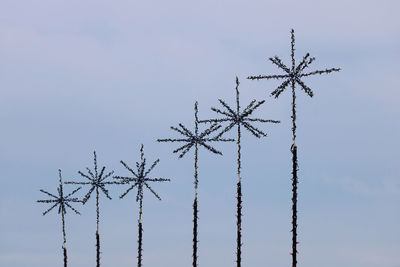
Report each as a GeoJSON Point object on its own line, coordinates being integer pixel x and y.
{"type": "Point", "coordinates": [195, 139]}
{"type": "Point", "coordinates": [236, 117]}
{"type": "Point", "coordinates": [61, 201]}
{"type": "Point", "coordinates": [293, 76]}
{"type": "Point", "coordinates": [139, 179]}
{"type": "Point", "coordinates": [96, 182]}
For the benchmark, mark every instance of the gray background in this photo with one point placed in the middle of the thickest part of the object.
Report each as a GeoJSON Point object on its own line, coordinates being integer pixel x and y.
{"type": "Point", "coordinates": [109, 75]}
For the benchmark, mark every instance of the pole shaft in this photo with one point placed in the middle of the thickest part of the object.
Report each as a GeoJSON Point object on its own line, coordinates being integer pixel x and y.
{"type": "Point", "coordinates": [97, 249]}
{"type": "Point", "coordinates": [97, 229]}
{"type": "Point", "coordinates": [65, 256]}
{"type": "Point", "coordinates": [140, 234]}
{"type": "Point", "coordinates": [64, 238]}
{"type": "Point", "coordinates": [195, 208]}
{"type": "Point", "coordinates": [140, 238]}
{"type": "Point", "coordinates": [239, 204]}
{"type": "Point", "coordinates": [294, 180]}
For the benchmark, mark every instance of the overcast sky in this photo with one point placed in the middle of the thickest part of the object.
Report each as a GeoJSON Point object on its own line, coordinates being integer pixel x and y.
{"type": "Point", "coordinates": [78, 76]}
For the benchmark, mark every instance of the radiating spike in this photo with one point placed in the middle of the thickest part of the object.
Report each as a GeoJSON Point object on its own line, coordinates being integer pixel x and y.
{"type": "Point", "coordinates": [152, 167]}
{"type": "Point", "coordinates": [280, 88]}
{"type": "Point", "coordinates": [276, 60]}
{"type": "Point", "coordinates": [69, 206]}
{"type": "Point", "coordinates": [127, 191]}
{"type": "Point", "coordinates": [157, 196]}
{"type": "Point", "coordinates": [210, 148]}
{"type": "Point", "coordinates": [185, 151]}
{"type": "Point", "coordinates": [305, 88]}
{"type": "Point", "coordinates": [129, 168]}
{"type": "Point", "coordinates": [41, 190]}
{"type": "Point", "coordinates": [73, 192]}
{"type": "Point", "coordinates": [47, 211]}
{"type": "Point", "coordinates": [227, 107]}
{"type": "Point", "coordinates": [259, 77]}
{"type": "Point", "coordinates": [320, 72]}
{"type": "Point", "coordinates": [105, 191]}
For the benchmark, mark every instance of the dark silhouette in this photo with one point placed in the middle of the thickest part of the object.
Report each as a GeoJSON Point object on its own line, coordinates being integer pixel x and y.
{"type": "Point", "coordinates": [96, 181]}
{"type": "Point", "coordinates": [195, 139]}
{"type": "Point", "coordinates": [61, 201]}
{"type": "Point", "coordinates": [293, 76]}
{"type": "Point", "coordinates": [239, 118]}
{"type": "Point", "coordinates": [139, 179]}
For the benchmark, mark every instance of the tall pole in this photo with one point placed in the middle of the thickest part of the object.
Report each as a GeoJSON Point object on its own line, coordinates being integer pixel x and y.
{"type": "Point", "coordinates": [62, 202]}
{"type": "Point", "coordinates": [195, 140]}
{"type": "Point", "coordinates": [239, 118]}
{"type": "Point", "coordinates": [64, 247]}
{"type": "Point", "coordinates": [97, 180]}
{"type": "Point", "coordinates": [239, 184]}
{"type": "Point", "coordinates": [239, 204]}
{"type": "Point", "coordinates": [195, 210]}
{"type": "Point", "coordinates": [196, 183]}
{"type": "Point", "coordinates": [294, 183]}
{"type": "Point", "coordinates": [294, 162]}
{"type": "Point", "coordinates": [97, 230]}
{"type": "Point", "coordinates": [292, 76]}
{"type": "Point", "coordinates": [140, 238]}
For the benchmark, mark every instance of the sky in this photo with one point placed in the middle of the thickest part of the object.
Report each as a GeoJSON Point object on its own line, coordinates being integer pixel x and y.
{"type": "Point", "coordinates": [79, 76]}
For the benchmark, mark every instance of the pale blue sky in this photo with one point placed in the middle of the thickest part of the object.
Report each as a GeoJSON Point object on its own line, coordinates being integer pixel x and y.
{"type": "Point", "coordinates": [109, 75]}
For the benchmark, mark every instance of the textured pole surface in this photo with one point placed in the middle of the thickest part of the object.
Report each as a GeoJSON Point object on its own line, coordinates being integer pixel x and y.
{"type": "Point", "coordinates": [140, 234]}
{"type": "Point", "coordinates": [97, 249]}
{"type": "Point", "coordinates": [62, 207]}
{"type": "Point", "coordinates": [97, 229]}
{"type": "Point", "coordinates": [294, 167]}
{"type": "Point", "coordinates": [294, 164]}
{"type": "Point", "coordinates": [294, 207]}
{"type": "Point", "coordinates": [195, 232]}
{"type": "Point", "coordinates": [195, 210]}
{"type": "Point", "coordinates": [294, 161]}
{"type": "Point", "coordinates": [239, 224]}
{"type": "Point", "coordinates": [140, 244]}
{"type": "Point", "coordinates": [65, 256]}
{"type": "Point", "coordinates": [64, 238]}
{"type": "Point", "coordinates": [239, 203]}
